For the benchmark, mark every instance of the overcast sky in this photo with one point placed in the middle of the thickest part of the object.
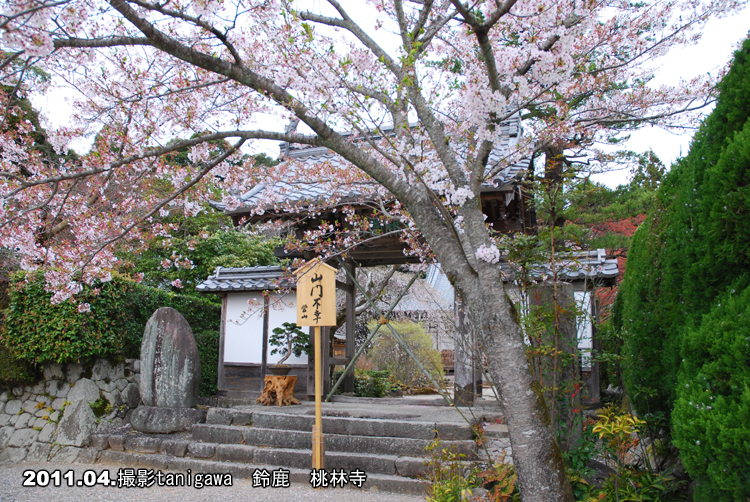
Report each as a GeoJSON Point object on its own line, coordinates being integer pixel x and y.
{"type": "Point", "coordinates": [720, 39]}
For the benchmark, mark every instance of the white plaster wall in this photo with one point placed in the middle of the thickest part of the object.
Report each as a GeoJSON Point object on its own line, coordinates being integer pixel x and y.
{"type": "Point", "coordinates": [243, 336]}
{"type": "Point", "coordinates": [585, 329]}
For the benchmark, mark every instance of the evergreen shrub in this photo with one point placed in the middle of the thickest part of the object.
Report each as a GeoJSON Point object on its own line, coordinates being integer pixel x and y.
{"type": "Point", "coordinates": [693, 246]}
{"type": "Point", "coordinates": [37, 332]}
{"type": "Point", "coordinates": [712, 411]}
{"type": "Point", "coordinates": [685, 300]}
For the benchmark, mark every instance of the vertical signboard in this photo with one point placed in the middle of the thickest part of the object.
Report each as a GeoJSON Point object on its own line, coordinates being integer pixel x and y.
{"type": "Point", "coordinates": [316, 306]}
{"type": "Point", "coordinates": [316, 294]}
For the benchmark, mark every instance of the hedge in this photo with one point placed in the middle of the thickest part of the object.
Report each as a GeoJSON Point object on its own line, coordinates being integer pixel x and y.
{"type": "Point", "coordinates": [712, 411]}
{"type": "Point", "coordinates": [684, 304]}
{"type": "Point", "coordinates": [693, 247]}
{"type": "Point", "coordinates": [37, 332]}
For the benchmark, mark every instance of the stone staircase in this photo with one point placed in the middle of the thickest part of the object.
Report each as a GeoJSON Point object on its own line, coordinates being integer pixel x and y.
{"type": "Point", "coordinates": [390, 451]}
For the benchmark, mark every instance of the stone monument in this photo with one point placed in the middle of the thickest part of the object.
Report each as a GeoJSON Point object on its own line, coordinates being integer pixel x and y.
{"type": "Point", "coordinates": [170, 375]}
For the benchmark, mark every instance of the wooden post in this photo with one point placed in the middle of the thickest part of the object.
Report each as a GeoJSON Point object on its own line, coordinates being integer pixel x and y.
{"type": "Point", "coordinates": [593, 382]}
{"type": "Point", "coordinates": [318, 458]}
{"type": "Point", "coordinates": [316, 307]}
{"type": "Point", "coordinates": [351, 316]}
{"type": "Point", "coordinates": [325, 362]}
{"type": "Point", "coordinates": [264, 357]}
{"type": "Point", "coordinates": [311, 367]}
{"type": "Point", "coordinates": [222, 335]}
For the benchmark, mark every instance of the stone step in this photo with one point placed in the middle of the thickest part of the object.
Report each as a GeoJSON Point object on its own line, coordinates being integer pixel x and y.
{"type": "Point", "coordinates": [299, 458]}
{"type": "Point", "coordinates": [496, 431]}
{"type": "Point", "coordinates": [341, 425]}
{"type": "Point", "coordinates": [364, 426]}
{"type": "Point", "coordinates": [296, 439]}
{"type": "Point", "coordinates": [411, 467]}
{"type": "Point", "coordinates": [374, 482]}
{"type": "Point", "coordinates": [402, 465]}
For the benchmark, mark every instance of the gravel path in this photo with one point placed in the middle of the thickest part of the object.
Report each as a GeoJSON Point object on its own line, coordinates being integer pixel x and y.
{"type": "Point", "coordinates": [242, 490]}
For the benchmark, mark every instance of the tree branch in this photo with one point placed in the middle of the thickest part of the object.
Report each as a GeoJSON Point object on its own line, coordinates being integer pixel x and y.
{"type": "Point", "coordinates": [197, 21]}
{"type": "Point", "coordinates": [242, 74]}
{"type": "Point", "coordinates": [157, 152]}
{"type": "Point", "coordinates": [99, 42]}
{"type": "Point", "coordinates": [31, 10]}
{"type": "Point", "coordinates": [355, 30]}
{"type": "Point", "coordinates": [165, 201]}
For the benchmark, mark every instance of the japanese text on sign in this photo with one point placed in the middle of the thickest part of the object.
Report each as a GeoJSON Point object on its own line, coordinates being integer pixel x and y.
{"type": "Point", "coordinates": [316, 295]}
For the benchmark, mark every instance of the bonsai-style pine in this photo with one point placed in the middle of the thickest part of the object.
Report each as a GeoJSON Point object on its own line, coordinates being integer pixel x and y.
{"type": "Point", "coordinates": [289, 339]}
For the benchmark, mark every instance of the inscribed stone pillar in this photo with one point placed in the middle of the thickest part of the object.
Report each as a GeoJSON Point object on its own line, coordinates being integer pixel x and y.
{"type": "Point", "coordinates": [170, 364]}
{"type": "Point", "coordinates": [170, 375]}
{"type": "Point", "coordinates": [565, 375]}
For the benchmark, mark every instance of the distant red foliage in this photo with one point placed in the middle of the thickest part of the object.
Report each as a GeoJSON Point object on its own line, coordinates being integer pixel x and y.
{"type": "Point", "coordinates": [624, 227]}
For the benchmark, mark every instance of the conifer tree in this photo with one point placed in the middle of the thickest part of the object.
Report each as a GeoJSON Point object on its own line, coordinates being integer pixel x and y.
{"type": "Point", "coordinates": [684, 300]}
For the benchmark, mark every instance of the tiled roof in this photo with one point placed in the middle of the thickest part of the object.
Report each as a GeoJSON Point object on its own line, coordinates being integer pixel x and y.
{"type": "Point", "coordinates": [244, 279]}
{"type": "Point", "coordinates": [576, 267]}
{"type": "Point", "coordinates": [437, 296]}
{"type": "Point", "coordinates": [294, 192]}
{"type": "Point", "coordinates": [573, 267]}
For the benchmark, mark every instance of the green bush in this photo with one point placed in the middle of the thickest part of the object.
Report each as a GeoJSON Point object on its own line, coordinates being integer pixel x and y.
{"type": "Point", "coordinates": [208, 347]}
{"type": "Point", "coordinates": [368, 383]}
{"type": "Point", "coordinates": [693, 247]}
{"type": "Point", "coordinates": [387, 354]}
{"type": "Point", "coordinates": [206, 248]}
{"type": "Point", "coordinates": [13, 371]}
{"type": "Point", "coordinates": [37, 332]}
{"type": "Point", "coordinates": [685, 326]}
{"type": "Point", "coordinates": [712, 411]}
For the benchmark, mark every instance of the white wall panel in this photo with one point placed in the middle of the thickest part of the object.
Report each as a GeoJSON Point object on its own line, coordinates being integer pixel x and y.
{"type": "Point", "coordinates": [243, 338]}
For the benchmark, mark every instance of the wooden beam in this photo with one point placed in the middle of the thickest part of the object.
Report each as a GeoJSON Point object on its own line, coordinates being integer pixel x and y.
{"type": "Point", "coordinates": [348, 288]}
{"type": "Point", "coordinates": [351, 315]}
{"type": "Point", "coordinates": [222, 334]}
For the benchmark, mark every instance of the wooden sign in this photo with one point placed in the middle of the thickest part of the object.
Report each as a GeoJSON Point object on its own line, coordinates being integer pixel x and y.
{"type": "Point", "coordinates": [316, 294]}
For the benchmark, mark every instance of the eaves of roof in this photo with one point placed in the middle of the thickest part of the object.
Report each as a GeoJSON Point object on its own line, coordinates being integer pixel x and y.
{"type": "Point", "coordinates": [239, 279]}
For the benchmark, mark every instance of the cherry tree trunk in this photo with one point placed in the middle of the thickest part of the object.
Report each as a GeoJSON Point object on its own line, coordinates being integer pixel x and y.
{"type": "Point", "coordinates": [536, 455]}
{"type": "Point", "coordinates": [541, 472]}
{"type": "Point", "coordinates": [537, 458]}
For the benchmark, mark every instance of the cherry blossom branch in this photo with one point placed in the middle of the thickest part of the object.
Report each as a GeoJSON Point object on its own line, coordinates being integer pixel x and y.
{"type": "Point", "coordinates": [180, 90]}
{"type": "Point", "coordinates": [99, 42]}
{"type": "Point", "coordinates": [9, 59]}
{"type": "Point", "coordinates": [197, 21]}
{"type": "Point", "coordinates": [158, 152]}
{"type": "Point", "coordinates": [63, 224]}
{"type": "Point", "coordinates": [41, 205]}
{"type": "Point", "coordinates": [267, 87]}
{"type": "Point", "coordinates": [481, 31]}
{"type": "Point", "coordinates": [360, 242]}
{"type": "Point", "coordinates": [185, 187]}
{"type": "Point", "coordinates": [355, 30]}
{"type": "Point", "coordinates": [26, 12]}
{"type": "Point", "coordinates": [424, 15]}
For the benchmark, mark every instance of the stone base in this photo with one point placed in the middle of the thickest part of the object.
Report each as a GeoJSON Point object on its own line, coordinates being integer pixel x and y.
{"type": "Point", "coordinates": [153, 419]}
{"type": "Point", "coordinates": [464, 395]}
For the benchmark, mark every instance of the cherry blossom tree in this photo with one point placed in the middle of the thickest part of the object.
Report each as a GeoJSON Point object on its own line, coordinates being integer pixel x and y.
{"type": "Point", "coordinates": [413, 99]}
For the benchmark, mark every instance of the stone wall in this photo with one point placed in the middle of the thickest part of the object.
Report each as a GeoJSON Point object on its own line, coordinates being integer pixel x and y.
{"type": "Point", "coordinates": [53, 419]}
